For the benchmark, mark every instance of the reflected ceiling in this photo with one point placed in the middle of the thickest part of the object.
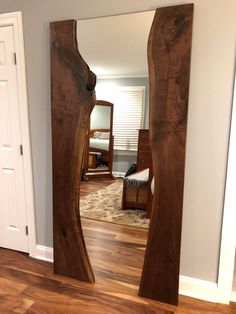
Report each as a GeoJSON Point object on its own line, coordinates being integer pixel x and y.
{"type": "Point", "coordinates": [116, 46]}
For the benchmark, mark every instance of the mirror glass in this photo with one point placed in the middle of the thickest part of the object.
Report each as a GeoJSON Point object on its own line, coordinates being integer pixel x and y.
{"type": "Point", "coordinates": [100, 133]}
{"type": "Point", "coordinates": [115, 49]}
{"type": "Point", "coordinates": [116, 46]}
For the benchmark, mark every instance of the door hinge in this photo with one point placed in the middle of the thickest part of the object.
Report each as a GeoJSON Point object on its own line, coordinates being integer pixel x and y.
{"type": "Point", "coordinates": [14, 58]}
{"type": "Point", "coordinates": [26, 230]}
{"type": "Point", "coordinates": [21, 150]}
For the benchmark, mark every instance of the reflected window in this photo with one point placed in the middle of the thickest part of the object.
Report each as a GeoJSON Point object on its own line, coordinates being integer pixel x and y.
{"type": "Point", "coordinates": [128, 118]}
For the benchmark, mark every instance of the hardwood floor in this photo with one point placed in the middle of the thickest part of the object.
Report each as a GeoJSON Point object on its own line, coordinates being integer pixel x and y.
{"type": "Point", "coordinates": [29, 286]}
{"type": "Point", "coordinates": [87, 187]}
{"type": "Point", "coordinates": [116, 252]}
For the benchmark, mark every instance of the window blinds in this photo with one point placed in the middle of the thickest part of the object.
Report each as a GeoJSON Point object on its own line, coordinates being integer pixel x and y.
{"type": "Point", "coordinates": [127, 115]}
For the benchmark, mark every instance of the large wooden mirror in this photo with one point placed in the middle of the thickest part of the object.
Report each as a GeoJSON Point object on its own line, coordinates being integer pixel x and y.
{"type": "Point", "coordinates": [72, 103]}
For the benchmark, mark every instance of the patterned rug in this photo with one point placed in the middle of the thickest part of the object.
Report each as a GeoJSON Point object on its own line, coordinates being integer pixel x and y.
{"type": "Point", "coordinates": [105, 204]}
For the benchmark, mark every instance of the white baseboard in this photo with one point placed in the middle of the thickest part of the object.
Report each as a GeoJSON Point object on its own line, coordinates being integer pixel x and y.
{"type": "Point", "coordinates": [44, 253]}
{"type": "Point", "coordinates": [118, 174]}
{"type": "Point", "coordinates": [197, 288]}
{"type": "Point", "coordinates": [191, 287]}
{"type": "Point", "coordinates": [233, 296]}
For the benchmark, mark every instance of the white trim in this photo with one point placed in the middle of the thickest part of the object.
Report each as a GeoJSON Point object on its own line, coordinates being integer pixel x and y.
{"type": "Point", "coordinates": [188, 286]}
{"type": "Point", "coordinates": [44, 253]}
{"type": "Point", "coordinates": [140, 75]}
{"type": "Point", "coordinates": [233, 296]}
{"type": "Point", "coordinates": [228, 238]}
{"type": "Point", "coordinates": [121, 152]}
{"type": "Point", "coordinates": [15, 19]}
{"type": "Point", "coordinates": [118, 174]}
{"type": "Point", "coordinates": [197, 288]}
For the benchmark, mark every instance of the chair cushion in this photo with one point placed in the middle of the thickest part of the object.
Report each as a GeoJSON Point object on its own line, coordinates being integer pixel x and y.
{"type": "Point", "coordinates": [137, 179]}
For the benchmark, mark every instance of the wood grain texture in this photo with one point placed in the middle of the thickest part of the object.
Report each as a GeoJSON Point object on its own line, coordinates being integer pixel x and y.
{"type": "Point", "coordinates": [144, 160]}
{"type": "Point", "coordinates": [37, 289]}
{"type": "Point", "coordinates": [169, 50]}
{"type": "Point", "coordinates": [29, 286]}
{"type": "Point", "coordinates": [73, 98]}
{"type": "Point", "coordinates": [144, 155]}
{"type": "Point", "coordinates": [88, 187]}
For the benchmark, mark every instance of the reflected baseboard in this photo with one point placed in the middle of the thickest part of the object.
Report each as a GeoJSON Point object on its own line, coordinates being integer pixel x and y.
{"type": "Point", "coordinates": [233, 296]}
{"type": "Point", "coordinates": [118, 174]}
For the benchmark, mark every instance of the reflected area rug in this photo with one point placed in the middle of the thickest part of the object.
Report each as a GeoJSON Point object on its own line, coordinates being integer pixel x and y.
{"type": "Point", "coordinates": [105, 204]}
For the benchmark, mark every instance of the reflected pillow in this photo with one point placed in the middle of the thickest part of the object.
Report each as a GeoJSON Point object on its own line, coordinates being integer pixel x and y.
{"type": "Point", "coordinates": [105, 136]}
{"type": "Point", "coordinates": [97, 134]}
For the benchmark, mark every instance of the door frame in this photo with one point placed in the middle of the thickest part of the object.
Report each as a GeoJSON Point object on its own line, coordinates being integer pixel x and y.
{"type": "Point", "coordinates": [228, 236]}
{"type": "Point", "coordinates": [15, 19]}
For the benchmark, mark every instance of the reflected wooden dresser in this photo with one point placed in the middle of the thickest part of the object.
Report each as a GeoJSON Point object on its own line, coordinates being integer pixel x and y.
{"type": "Point", "coordinates": [144, 157]}
{"type": "Point", "coordinates": [134, 196]}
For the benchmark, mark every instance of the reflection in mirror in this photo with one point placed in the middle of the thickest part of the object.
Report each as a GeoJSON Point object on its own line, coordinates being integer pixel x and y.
{"type": "Point", "coordinates": [118, 56]}
{"type": "Point", "coordinates": [99, 150]}
{"type": "Point", "coordinates": [99, 137]}
{"type": "Point", "coordinates": [115, 48]}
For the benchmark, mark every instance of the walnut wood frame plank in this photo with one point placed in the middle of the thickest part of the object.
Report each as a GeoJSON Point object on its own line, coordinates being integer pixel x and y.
{"type": "Point", "coordinates": [169, 50]}
{"type": "Point", "coordinates": [73, 98]}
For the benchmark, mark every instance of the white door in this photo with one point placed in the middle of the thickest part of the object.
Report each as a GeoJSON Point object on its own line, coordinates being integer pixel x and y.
{"type": "Point", "coordinates": [13, 220]}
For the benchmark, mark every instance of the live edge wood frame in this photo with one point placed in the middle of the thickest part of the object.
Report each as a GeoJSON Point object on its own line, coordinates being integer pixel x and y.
{"type": "Point", "coordinates": [73, 98]}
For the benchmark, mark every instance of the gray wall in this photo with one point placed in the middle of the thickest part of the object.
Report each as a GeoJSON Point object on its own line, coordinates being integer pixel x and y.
{"type": "Point", "coordinates": [122, 162]}
{"type": "Point", "coordinates": [213, 57]}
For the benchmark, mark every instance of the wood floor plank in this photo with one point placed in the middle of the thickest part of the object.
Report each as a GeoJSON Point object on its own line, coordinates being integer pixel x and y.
{"type": "Point", "coordinates": [88, 303]}
{"type": "Point", "coordinates": [135, 240]}
{"type": "Point", "coordinates": [11, 287]}
{"type": "Point", "coordinates": [24, 262]}
{"type": "Point", "coordinates": [93, 186]}
{"type": "Point", "coordinates": [118, 262]}
{"type": "Point", "coordinates": [14, 304]}
{"type": "Point", "coordinates": [39, 308]}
